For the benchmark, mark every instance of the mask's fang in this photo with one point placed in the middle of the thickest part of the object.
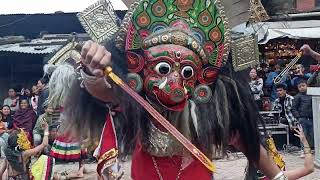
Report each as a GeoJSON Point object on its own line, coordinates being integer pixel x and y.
{"type": "Point", "coordinates": [163, 84]}
{"type": "Point", "coordinates": [185, 90]}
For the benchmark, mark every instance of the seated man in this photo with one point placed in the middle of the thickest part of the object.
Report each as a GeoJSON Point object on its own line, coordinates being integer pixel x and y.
{"type": "Point", "coordinates": [38, 130]}
{"type": "Point", "coordinates": [284, 104]}
{"type": "Point", "coordinates": [12, 100]}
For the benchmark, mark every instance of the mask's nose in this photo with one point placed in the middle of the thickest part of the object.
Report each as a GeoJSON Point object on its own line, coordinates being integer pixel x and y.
{"type": "Point", "coordinates": [173, 89]}
{"type": "Point", "coordinates": [174, 77]}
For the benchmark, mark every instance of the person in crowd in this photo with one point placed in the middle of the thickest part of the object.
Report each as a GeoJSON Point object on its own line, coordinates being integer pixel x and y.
{"type": "Point", "coordinates": [25, 94]}
{"type": "Point", "coordinates": [299, 75]}
{"type": "Point", "coordinates": [43, 93]}
{"type": "Point", "coordinates": [302, 110]}
{"type": "Point", "coordinates": [314, 80]}
{"type": "Point", "coordinates": [263, 70]}
{"type": "Point", "coordinates": [284, 104]}
{"type": "Point", "coordinates": [256, 85]}
{"type": "Point", "coordinates": [43, 87]}
{"type": "Point", "coordinates": [12, 100]}
{"type": "Point", "coordinates": [18, 157]}
{"type": "Point", "coordinates": [18, 154]}
{"type": "Point", "coordinates": [34, 97]}
{"type": "Point", "coordinates": [25, 118]}
{"type": "Point", "coordinates": [7, 117]}
{"type": "Point", "coordinates": [3, 135]}
{"type": "Point", "coordinates": [269, 83]}
{"type": "Point", "coordinates": [37, 130]}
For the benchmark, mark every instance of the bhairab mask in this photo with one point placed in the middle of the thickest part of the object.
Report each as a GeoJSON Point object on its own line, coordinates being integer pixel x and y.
{"type": "Point", "coordinates": [197, 25]}
{"type": "Point", "coordinates": [175, 48]}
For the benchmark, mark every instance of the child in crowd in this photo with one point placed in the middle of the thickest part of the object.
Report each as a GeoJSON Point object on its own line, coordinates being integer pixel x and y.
{"type": "Point", "coordinates": [302, 110]}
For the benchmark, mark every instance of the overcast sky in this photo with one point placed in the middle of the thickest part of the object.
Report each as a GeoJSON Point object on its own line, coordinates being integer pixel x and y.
{"type": "Point", "coordinates": [49, 6]}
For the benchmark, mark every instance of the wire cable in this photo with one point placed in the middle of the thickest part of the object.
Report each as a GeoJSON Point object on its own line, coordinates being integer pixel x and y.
{"type": "Point", "coordinates": [15, 21]}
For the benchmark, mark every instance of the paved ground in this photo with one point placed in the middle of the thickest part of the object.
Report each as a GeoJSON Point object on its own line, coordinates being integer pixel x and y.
{"type": "Point", "coordinates": [227, 169]}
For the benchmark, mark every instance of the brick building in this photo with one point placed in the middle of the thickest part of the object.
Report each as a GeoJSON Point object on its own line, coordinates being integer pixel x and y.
{"type": "Point", "coordinates": [279, 7]}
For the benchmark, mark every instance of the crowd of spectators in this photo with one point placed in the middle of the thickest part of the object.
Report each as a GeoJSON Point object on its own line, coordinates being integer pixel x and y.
{"type": "Point", "coordinates": [22, 109]}
{"type": "Point", "coordinates": [289, 97]}
{"type": "Point", "coordinates": [28, 110]}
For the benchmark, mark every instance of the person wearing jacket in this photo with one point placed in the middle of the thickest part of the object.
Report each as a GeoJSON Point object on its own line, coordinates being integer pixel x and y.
{"type": "Point", "coordinates": [302, 110]}
{"type": "Point", "coordinates": [256, 85]}
{"type": "Point", "coordinates": [269, 82]}
{"type": "Point", "coordinates": [284, 104]}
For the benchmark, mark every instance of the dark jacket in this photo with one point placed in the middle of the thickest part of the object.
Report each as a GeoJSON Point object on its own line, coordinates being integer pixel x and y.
{"type": "Point", "coordinates": [41, 100]}
{"type": "Point", "coordinates": [302, 106]}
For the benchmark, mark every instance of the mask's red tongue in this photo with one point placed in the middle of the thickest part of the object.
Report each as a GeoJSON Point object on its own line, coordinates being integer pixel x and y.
{"type": "Point", "coordinates": [173, 98]}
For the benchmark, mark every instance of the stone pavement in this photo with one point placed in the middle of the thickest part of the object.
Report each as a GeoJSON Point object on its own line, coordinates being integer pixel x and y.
{"type": "Point", "coordinates": [227, 169]}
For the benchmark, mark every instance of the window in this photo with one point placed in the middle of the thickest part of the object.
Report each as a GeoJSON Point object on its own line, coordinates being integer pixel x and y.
{"type": "Point", "coordinates": [276, 7]}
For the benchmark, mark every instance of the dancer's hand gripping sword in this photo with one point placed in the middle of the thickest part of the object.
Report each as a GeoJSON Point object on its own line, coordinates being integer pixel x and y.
{"type": "Point", "coordinates": [159, 118]}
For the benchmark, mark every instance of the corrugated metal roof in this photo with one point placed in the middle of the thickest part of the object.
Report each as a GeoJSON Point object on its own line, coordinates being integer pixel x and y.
{"type": "Point", "coordinates": [29, 49]}
{"type": "Point", "coordinates": [36, 46]}
{"type": "Point", "coordinates": [47, 44]}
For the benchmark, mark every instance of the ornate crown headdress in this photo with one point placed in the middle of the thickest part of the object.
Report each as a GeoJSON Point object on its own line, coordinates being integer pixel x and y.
{"type": "Point", "coordinates": [198, 25]}
{"type": "Point", "coordinates": [207, 21]}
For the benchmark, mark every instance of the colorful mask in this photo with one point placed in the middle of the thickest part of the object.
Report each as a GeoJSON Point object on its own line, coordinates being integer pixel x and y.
{"type": "Point", "coordinates": [175, 48]}
{"type": "Point", "coordinates": [198, 25]}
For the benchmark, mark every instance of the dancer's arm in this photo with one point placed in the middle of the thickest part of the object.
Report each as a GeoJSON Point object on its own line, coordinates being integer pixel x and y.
{"type": "Point", "coordinates": [313, 79]}
{"type": "Point", "coordinates": [308, 51]}
{"type": "Point", "coordinates": [95, 58]}
{"type": "Point", "coordinates": [265, 163]}
{"type": "Point", "coordinates": [308, 166]}
{"type": "Point", "coordinates": [36, 150]}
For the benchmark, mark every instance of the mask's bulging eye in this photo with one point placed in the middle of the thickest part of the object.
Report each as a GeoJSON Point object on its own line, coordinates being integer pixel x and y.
{"type": "Point", "coordinates": [163, 68]}
{"type": "Point", "coordinates": [187, 72]}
